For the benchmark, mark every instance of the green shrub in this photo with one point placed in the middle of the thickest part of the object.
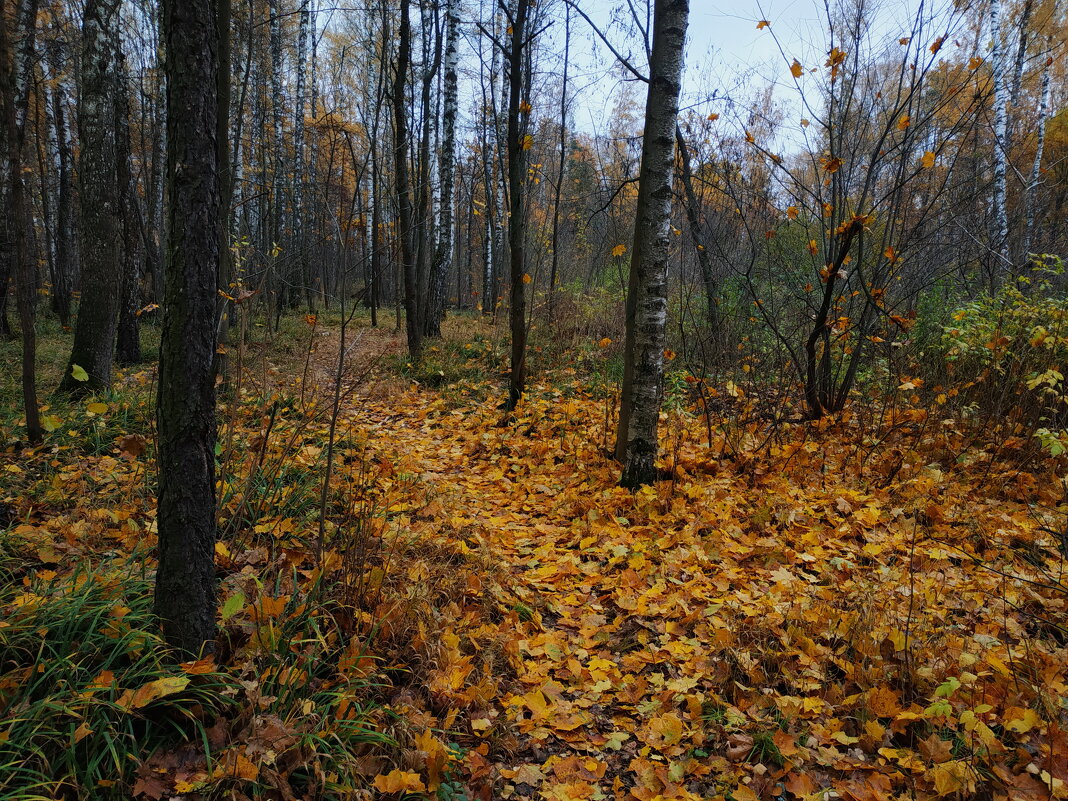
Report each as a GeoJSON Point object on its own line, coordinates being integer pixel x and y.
{"type": "Point", "coordinates": [1008, 351]}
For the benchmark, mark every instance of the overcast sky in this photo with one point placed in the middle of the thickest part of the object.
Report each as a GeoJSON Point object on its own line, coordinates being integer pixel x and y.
{"type": "Point", "coordinates": [726, 51]}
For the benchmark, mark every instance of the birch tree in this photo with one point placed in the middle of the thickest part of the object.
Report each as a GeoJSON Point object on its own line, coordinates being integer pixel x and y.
{"type": "Point", "coordinates": [999, 221]}
{"type": "Point", "coordinates": [447, 172]}
{"type": "Point", "coordinates": [636, 442]}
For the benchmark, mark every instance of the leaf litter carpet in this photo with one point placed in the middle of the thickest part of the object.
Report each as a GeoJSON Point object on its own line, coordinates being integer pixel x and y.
{"type": "Point", "coordinates": [817, 619]}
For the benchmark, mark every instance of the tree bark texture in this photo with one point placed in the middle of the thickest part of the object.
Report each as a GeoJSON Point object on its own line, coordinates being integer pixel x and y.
{"type": "Point", "coordinates": [413, 325]}
{"type": "Point", "coordinates": [999, 226]}
{"type": "Point", "coordinates": [517, 174]}
{"type": "Point", "coordinates": [128, 343]}
{"type": "Point", "coordinates": [439, 271]}
{"type": "Point", "coordinates": [647, 291]}
{"type": "Point", "coordinates": [100, 220]}
{"type": "Point", "coordinates": [693, 217]}
{"type": "Point", "coordinates": [15, 94]}
{"type": "Point", "coordinates": [185, 595]}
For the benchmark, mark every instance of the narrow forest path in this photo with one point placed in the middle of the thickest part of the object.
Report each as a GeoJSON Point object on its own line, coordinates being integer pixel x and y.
{"type": "Point", "coordinates": [743, 632]}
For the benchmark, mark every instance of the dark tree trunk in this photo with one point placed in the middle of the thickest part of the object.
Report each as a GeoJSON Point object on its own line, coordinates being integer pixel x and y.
{"type": "Point", "coordinates": [100, 223]}
{"type": "Point", "coordinates": [424, 216]}
{"type": "Point", "coordinates": [413, 325]}
{"type": "Point", "coordinates": [15, 95]}
{"type": "Point", "coordinates": [517, 318]}
{"type": "Point", "coordinates": [561, 173]}
{"type": "Point", "coordinates": [818, 390]}
{"type": "Point", "coordinates": [128, 344]}
{"type": "Point", "coordinates": [693, 217]}
{"type": "Point", "coordinates": [185, 596]}
{"type": "Point", "coordinates": [636, 442]}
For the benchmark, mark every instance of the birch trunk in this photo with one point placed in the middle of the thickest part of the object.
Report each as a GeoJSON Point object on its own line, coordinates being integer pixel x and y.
{"type": "Point", "coordinates": [643, 378]}
{"type": "Point", "coordinates": [999, 229]}
{"type": "Point", "coordinates": [278, 173]}
{"type": "Point", "coordinates": [1036, 167]}
{"type": "Point", "coordinates": [1021, 50]}
{"type": "Point", "coordinates": [61, 288]}
{"type": "Point", "coordinates": [447, 172]}
{"type": "Point", "coordinates": [298, 151]}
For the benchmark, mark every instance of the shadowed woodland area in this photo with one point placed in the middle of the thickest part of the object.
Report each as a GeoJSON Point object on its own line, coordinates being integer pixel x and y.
{"type": "Point", "coordinates": [380, 419]}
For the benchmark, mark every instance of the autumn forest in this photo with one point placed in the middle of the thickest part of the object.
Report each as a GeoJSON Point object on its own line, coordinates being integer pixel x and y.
{"type": "Point", "coordinates": [462, 400]}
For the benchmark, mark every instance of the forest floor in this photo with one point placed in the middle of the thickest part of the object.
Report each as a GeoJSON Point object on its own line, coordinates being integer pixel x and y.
{"type": "Point", "coordinates": [810, 611]}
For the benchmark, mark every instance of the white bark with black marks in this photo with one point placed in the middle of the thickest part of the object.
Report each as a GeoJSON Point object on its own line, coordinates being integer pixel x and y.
{"type": "Point", "coordinates": [1036, 167]}
{"type": "Point", "coordinates": [439, 271]}
{"type": "Point", "coordinates": [999, 227]}
{"type": "Point", "coordinates": [647, 291]}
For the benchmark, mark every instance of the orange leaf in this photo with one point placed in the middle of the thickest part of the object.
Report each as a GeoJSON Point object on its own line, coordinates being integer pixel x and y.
{"type": "Point", "coordinates": [800, 785]}
{"type": "Point", "coordinates": [199, 667]}
{"type": "Point", "coordinates": [147, 693]}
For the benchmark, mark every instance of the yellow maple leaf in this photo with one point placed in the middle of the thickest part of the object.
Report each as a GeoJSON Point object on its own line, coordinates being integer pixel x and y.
{"type": "Point", "coordinates": [399, 781]}
{"type": "Point", "coordinates": [796, 69]}
{"type": "Point", "coordinates": [1021, 720]}
{"type": "Point", "coordinates": [619, 250]}
{"type": "Point", "coordinates": [928, 159]}
{"type": "Point", "coordinates": [763, 24]}
{"type": "Point", "coordinates": [668, 728]}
